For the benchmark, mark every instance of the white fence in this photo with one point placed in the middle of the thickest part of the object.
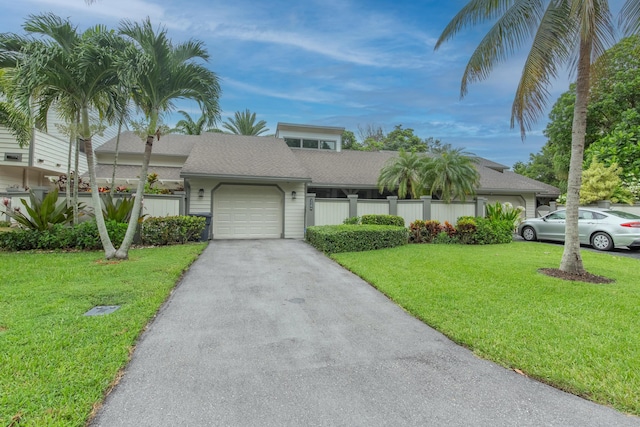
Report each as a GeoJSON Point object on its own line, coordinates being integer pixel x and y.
{"type": "Point", "coordinates": [335, 211]}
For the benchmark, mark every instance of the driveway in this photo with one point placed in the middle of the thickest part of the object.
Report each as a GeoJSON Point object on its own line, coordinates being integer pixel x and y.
{"type": "Point", "coordinates": [273, 333]}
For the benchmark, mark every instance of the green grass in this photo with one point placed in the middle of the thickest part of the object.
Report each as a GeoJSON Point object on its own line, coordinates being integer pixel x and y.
{"type": "Point", "coordinates": [55, 363]}
{"type": "Point", "coordinates": [579, 337]}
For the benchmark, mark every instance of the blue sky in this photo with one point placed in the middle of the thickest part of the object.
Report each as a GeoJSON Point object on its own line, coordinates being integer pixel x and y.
{"type": "Point", "coordinates": [342, 63]}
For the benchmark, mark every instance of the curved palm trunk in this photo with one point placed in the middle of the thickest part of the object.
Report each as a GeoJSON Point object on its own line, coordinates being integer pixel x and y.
{"type": "Point", "coordinates": [571, 258]}
{"type": "Point", "coordinates": [115, 160]}
{"type": "Point", "coordinates": [123, 251]}
{"type": "Point", "coordinates": [109, 249]}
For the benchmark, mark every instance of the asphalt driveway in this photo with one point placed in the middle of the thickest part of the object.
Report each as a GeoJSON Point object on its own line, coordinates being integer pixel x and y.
{"type": "Point", "coordinates": [273, 333]}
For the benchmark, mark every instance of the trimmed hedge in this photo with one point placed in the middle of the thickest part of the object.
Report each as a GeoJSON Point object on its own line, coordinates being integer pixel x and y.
{"type": "Point", "coordinates": [355, 238]}
{"type": "Point", "coordinates": [491, 232]}
{"type": "Point", "coordinates": [468, 230]}
{"type": "Point", "coordinates": [171, 230]}
{"type": "Point", "coordinates": [395, 220]}
{"type": "Point", "coordinates": [82, 236]}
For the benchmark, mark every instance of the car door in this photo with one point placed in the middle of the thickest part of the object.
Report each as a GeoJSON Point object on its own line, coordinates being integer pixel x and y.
{"type": "Point", "coordinates": [552, 227]}
{"type": "Point", "coordinates": [587, 224]}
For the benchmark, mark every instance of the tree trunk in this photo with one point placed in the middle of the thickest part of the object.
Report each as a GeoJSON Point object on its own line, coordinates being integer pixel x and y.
{"type": "Point", "coordinates": [76, 180]}
{"type": "Point", "coordinates": [67, 185]}
{"type": "Point", "coordinates": [571, 258]}
{"type": "Point", "coordinates": [109, 249]}
{"type": "Point", "coordinates": [115, 160]}
{"type": "Point", "coordinates": [123, 251]}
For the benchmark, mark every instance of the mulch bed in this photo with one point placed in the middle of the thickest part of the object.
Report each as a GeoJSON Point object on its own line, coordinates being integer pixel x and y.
{"type": "Point", "coordinates": [580, 277]}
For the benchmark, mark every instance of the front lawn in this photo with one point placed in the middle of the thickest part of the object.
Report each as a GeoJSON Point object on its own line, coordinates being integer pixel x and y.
{"type": "Point", "coordinates": [579, 337]}
{"type": "Point", "coordinates": [56, 363]}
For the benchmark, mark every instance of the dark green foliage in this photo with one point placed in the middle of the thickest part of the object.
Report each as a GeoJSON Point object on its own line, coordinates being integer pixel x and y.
{"type": "Point", "coordinates": [5, 224]}
{"type": "Point", "coordinates": [42, 214]}
{"type": "Point", "coordinates": [489, 232]}
{"type": "Point", "coordinates": [352, 220]}
{"type": "Point", "coordinates": [82, 236]}
{"type": "Point", "coordinates": [398, 221]}
{"type": "Point", "coordinates": [355, 238]}
{"type": "Point", "coordinates": [466, 230]}
{"type": "Point", "coordinates": [171, 230]}
{"type": "Point", "coordinates": [120, 210]}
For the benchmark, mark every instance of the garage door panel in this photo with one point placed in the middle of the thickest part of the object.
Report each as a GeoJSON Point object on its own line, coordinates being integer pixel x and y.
{"type": "Point", "coordinates": [247, 212]}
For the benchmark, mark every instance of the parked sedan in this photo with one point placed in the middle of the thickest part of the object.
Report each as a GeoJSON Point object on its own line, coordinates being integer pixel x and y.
{"type": "Point", "coordinates": [602, 229]}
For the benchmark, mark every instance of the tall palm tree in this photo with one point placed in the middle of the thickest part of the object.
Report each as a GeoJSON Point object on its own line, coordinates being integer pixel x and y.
{"type": "Point", "coordinates": [450, 173]}
{"type": "Point", "coordinates": [187, 126]}
{"type": "Point", "coordinates": [564, 32]}
{"type": "Point", "coordinates": [11, 116]}
{"type": "Point", "coordinates": [161, 73]}
{"type": "Point", "coordinates": [244, 123]}
{"type": "Point", "coordinates": [68, 68]}
{"type": "Point", "coordinates": [404, 174]}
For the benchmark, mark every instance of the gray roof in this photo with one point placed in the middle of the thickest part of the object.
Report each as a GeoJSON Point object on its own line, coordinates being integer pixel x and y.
{"type": "Point", "coordinates": [133, 172]}
{"type": "Point", "coordinates": [168, 145]}
{"type": "Point", "coordinates": [239, 156]}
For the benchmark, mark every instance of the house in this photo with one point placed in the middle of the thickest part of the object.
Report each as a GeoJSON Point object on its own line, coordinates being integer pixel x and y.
{"type": "Point", "coordinates": [45, 157]}
{"type": "Point", "coordinates": [265, 187]}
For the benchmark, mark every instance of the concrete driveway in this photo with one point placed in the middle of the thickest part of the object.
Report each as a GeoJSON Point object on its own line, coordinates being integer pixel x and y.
{"type": "Point", "coordinates": [273, 333]}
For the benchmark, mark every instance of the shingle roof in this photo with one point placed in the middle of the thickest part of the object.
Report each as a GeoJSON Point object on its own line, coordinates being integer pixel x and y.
{"type": "Point", "coordinates": [239, 156]}
{"type": "Point", "coordinates": [133, 172]}
{"type": "Point", "coordinates": [169, 145]}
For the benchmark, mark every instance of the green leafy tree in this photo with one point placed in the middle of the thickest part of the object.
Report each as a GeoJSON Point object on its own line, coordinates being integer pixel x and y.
{"type": "Point", "coordinates": [161, 73]}
{"type": "Point", "coordinates": [75, 70]}
{"type": "Point", "coordinates": [450, 173]}
{"type": "Point", "coordinates": [349, 141]}
{"type": "Point", "coordinates": [600, 182]}
{"type": "Point", "coordinates": [187, 126]}
{"type": "Point", "coordinates": [244, 123]}
{"type": "Point", "coordinates": [403, 139]}
{"type": "Point", "coordinates": [403, 174]}
{"type": "Point", "coordinates": [573, 32]}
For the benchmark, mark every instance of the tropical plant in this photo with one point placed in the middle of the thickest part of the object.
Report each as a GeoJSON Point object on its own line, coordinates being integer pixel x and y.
{"type": "Point", "coordinates": [573, 32]}
{"type": "Point", "coordinates": [119, 210]}
{"type": "Point", "coordinates": [187, 126]}
{"type": "Point", "coordinates": [161, 73]}
{"type": "Point", "coordinates": [450, 173]}
{"type": "Point", "coordinates": [244, 123]}
{"type": "Point", "coordinates": [14, 119]}
{"type": "Point", "coordinates": [404, 174]}
{"type": "Point", "coordinates": [600, 182]}
{"type": "Point", "coordinates": [42, 214]}
{"type": "Point", "coordinates": [76, 71]}
{"type": "Point", "coordinates": [504, 212]}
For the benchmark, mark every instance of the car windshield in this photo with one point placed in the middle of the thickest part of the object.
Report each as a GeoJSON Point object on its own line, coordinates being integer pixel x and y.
{"type": "Point", "coordinates": [621, 214]}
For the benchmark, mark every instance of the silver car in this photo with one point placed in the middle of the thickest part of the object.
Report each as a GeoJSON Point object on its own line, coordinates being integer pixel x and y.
{"type": "Point", "coordinates": [602, 229]}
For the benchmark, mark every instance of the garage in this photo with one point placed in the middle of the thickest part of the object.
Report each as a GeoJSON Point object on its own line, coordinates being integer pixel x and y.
{"type": "Point", "coordinates": [247, 212]}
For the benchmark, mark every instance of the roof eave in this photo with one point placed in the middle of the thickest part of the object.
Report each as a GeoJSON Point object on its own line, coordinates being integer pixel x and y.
{"type": "Point", "coordinates": [244, 177]}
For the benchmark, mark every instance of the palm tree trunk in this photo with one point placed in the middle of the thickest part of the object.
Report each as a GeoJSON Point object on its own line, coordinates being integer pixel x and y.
{"type": "Point", "coordinates": [109, 249]}
{"type": "Point", "coordinates": [123, 251]}
{"type": "Point", "coordinates": [571, 258]}
{"type": "Point", "coordinates": [76, 181]}
{"type": "Point", "coordinates": [67, 185]}
{"type": "Point", "coordinates": [115, 160]}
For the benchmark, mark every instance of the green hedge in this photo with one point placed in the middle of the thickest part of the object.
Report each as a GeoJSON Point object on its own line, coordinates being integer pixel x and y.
{"type": "Point", "coordinates": [82, 236]}
{"type": "Point", "coordinates": [395, 220]}
{"type": "Point", "coordinates": [355, 238]}
{"type": "Point", "coordinates": [171, 230]}
{"type": "Point", "coordinates": [490, 232]}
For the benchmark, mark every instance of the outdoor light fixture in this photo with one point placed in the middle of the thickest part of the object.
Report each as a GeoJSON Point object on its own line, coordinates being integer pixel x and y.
{"type": "Point", "coordinates": [293, 195]}
{"type": "Point", "coordinates": [201, 192]}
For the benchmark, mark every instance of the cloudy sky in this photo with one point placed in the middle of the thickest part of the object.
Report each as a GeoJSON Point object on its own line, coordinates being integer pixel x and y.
{"type": "Point", "coordinates": [342, 63]}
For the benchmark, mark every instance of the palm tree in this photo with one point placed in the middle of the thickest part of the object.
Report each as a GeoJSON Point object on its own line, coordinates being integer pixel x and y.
{"type": "Point", "coordinates": [404, 174]}
{"type": "Point", "coordinates": [564, 32]}
{"type": "Point", "coordinates": [187, 126]}
{"type": "Point", "coordinates": [161, 73]}
{"type": "Point", "coordinates": [244, 123]}
{"type": "Point", "coordinates": [12, 117]}
{"type": "Point", "coordinates": [450, 173]}
{"type": "Point", "coordinates": [64, 67]}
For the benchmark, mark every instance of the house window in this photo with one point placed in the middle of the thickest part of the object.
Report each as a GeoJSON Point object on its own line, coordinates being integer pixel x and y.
{"type": "Point", "coordinates": [328, 145]}
{"type": "Point", "coordinates": [293, 142]}
{"type": "Point", "coordinates": [310, 143]}
{"type": "Point", "coordinates": [314, 144]}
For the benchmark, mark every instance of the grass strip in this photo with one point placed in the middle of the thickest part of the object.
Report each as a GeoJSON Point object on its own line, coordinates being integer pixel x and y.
{"type": "Point", "coordinates": [56, 363]}
{"type": "Point", "coordinates": [579, 337]}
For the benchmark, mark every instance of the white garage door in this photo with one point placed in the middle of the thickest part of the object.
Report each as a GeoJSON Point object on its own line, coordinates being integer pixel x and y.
{"type": "Point", "coordinates": [247, 212]}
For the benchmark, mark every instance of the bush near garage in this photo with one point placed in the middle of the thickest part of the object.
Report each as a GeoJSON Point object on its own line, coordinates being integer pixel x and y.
{"type": "Point", "coordinates": [82, 236]}
{"type": "Point", "coordinates": [171, 230]}
{"type": "Point", "coordinates": [355, 238]}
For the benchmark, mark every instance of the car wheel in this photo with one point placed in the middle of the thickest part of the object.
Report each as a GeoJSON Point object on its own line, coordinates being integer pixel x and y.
{"type": "Point", "coordinates": [529, 234]}
{"type": "Point", "coordinates": [602, 241]}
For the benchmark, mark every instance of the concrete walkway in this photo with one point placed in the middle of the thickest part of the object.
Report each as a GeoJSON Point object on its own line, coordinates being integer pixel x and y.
{"type": "Point", "coordinates": [272, 333]}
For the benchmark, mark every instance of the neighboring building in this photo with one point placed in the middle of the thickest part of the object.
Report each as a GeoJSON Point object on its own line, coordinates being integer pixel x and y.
{"type": "Point", "coordinates": [255, 187]}
{"type": "Point", "coordinates": [45, 157]}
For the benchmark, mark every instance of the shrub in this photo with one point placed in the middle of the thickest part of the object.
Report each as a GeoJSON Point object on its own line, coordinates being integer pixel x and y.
{"type": "Point", "coordinates": [506, 211]}
{"type": "Point", "coordinates": [120, 210]}
{"type": "Point", "coordinates": [395, 220]}
{"type": "Point", "coordinates": [5, 224]}
{"type": "Point", "coordinates": [171, 230]}
{"type": "Point", "coordinates": [466, 230]}
{"type": "Point", "coordinates": [490, 232]}
{"type": "Point", "coordinates": [444, 238]}
{"type": "Point", "coordinates": [417, 231]}
{"type": "Point", "coordinates": [81, 236]}
{"type": "Point", "coordinates": [355, 238]}
{"type": "Point", "coordinates": [41, 214]}
{"type": "Point", "coordinates": [352, 220]}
